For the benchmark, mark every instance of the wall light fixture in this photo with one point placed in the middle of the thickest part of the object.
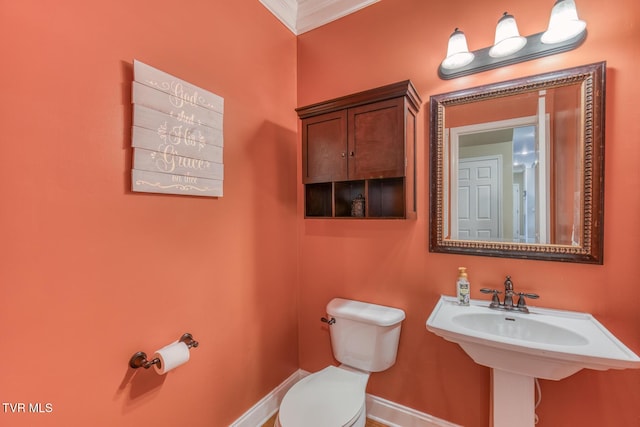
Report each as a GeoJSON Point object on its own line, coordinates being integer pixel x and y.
{"type": "Point", "coordinates": [565, 32]}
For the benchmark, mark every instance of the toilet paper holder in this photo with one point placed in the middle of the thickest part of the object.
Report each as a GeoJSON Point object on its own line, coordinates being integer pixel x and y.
{"type": "Point", "coordinates": [139, 360]}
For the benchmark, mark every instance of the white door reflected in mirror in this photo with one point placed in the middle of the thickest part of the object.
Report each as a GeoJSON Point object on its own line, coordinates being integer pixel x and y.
{"type": "Point", "coordinates": [502, 182]}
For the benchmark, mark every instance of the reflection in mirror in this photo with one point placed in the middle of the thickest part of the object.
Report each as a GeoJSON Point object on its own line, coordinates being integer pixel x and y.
{"type": "Point", "coordinates": [516, 168]}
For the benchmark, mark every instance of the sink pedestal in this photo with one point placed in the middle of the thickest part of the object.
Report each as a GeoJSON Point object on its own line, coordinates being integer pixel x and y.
{"type": "Point", "coordinates": [513, 399]}
{"type": "Point", "coordinates": [546, 344]}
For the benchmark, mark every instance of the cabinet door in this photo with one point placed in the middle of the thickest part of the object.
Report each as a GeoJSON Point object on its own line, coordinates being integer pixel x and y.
{"type": "Point", "coordinates": [324, 145]}
{"type": "Point", "coordinates": [376, 140]}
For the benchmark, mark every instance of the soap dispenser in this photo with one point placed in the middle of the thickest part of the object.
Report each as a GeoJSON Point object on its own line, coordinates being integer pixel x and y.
{"type": "Point", "coordinates": [462, 287]}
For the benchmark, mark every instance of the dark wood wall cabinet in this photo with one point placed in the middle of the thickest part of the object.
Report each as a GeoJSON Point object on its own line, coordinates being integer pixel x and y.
{"type": "Point", "coordinates": [361, 145]}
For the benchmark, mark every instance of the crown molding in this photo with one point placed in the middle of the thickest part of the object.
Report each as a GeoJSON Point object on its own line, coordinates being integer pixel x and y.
{"type": "Point", "coordinates": [300, 16]}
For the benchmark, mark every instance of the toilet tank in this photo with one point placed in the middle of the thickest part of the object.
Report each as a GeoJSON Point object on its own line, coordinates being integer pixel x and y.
{"type": "Point", "coordinates": [364, 336]}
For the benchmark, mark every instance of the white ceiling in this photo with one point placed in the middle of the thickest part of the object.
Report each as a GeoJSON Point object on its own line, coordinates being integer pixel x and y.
{"type": "Point", "coordinates": [301, 16]}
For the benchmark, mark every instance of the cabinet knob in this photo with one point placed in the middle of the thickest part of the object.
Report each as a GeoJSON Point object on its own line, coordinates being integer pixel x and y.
{"type": "Point", "coordinates": [352, 153]}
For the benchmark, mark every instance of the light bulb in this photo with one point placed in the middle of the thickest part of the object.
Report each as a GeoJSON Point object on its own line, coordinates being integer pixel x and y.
{"type": "Point", "coordinates": [508, 40]}
{"type": "Point", "coordinates": [564, 23]}
{"type": "Point", "coordinates": [458, 54]}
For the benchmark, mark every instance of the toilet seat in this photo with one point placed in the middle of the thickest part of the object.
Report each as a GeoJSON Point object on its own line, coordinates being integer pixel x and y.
{"type": "Point", "coordinates": [332, 397]}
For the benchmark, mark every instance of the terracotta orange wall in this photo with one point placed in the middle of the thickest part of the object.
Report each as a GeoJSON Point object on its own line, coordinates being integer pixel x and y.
{"type": "Point", "coordinates": [564, 157]}
{"type": "Point", "coordinates": [388, 261]}
{"type": "Point", "coordinates": [90, 272]}
{"type": "Point", "coordinates": [492, 110]}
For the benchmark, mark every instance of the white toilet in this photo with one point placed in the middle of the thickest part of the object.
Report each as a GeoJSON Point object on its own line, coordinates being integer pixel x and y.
{"type": "Point", "coordinates": [364, 338]}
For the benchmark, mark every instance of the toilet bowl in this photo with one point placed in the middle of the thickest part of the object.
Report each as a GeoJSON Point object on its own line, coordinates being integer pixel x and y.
{"type": "Point", "coordinates": [332, 397]}
{"type": "Point", "coordinates": [364, 339]}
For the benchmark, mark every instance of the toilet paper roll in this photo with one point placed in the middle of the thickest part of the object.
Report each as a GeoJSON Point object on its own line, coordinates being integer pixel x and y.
{"type": "Point", "coordinates": [171, 356]}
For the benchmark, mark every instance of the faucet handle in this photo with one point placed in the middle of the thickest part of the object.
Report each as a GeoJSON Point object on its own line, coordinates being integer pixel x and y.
{"type": "Point", "coordinates": [495, 301]}
{"type": "Point", "coordinates": [521, 300]}
{"type": "Point", "coordinates": [529, 295]}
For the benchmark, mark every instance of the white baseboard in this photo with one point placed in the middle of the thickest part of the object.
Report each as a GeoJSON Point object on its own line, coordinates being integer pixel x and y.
{"type": "Point", "coordinates": [268, 405]}
{"type": "Point", "coordinates": [378, 409]}
{"type": "Point", "coordinates": [396, 415]}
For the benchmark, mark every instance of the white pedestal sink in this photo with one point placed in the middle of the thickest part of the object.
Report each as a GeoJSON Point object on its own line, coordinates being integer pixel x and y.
{"type": "Point", "coordinates": [548, 344]}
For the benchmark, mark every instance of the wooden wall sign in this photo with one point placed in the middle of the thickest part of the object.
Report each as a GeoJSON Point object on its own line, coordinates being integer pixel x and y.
{"type": "Point", "coordinates": [176, 135]}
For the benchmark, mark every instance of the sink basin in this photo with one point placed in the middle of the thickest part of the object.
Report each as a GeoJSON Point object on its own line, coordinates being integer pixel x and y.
{"type": "Point", "coordinates": [520, 328]}
{"type": "Point", "coordinates": [548, 344]}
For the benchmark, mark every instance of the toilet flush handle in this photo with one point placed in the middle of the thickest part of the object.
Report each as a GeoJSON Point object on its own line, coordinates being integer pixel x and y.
{"type": "Point", "coordinates": [329, 321]}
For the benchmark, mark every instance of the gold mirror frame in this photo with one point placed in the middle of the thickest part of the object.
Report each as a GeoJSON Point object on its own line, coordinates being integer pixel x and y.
{"type": "Point", "coordinates": [592, 80]}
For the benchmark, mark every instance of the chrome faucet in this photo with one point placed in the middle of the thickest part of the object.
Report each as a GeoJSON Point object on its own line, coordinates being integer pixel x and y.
{"type": "Point", "coordinates": [507, 305]}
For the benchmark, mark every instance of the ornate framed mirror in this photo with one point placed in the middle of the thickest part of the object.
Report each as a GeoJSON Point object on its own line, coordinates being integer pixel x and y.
{"type": "Point", "coordinates": [517, 168]}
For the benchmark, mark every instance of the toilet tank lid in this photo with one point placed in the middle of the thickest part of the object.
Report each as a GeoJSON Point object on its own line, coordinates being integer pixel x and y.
{"type": "Point", "coordinates": [365, 312]}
